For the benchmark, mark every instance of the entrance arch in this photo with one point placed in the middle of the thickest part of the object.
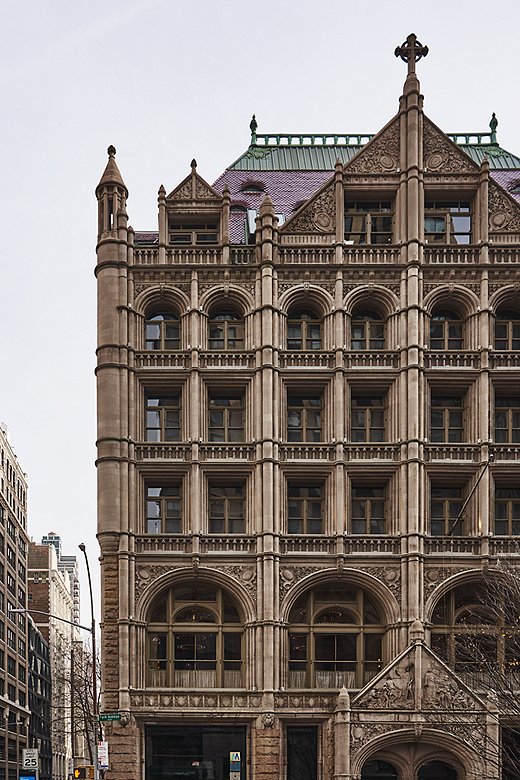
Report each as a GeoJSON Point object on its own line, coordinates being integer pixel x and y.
{"type": "Point", "coordinates": [378, 770]}
{"type": "Point", "coordinates": [437, 770]}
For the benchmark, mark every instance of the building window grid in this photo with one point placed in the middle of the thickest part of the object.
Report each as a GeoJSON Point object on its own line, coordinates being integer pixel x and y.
{"type": "Point", "coordinates": [367, 331]}
{"type": "Point", "coordinates": [507, 420]}
{"type": "Point", "coordinates": [304, 509]}
{"type": "Point", "coordinates": [162, 332]}
{"type": "Point", "coordinates": [226, 331]}
{"type": "Point", "coordinates": [304, 418]}
{"type": "Point", "coordinates": [163, 509]}
{"type": "Point", "coordinates": [368, 418]}
{"type": "Point", "coordinates": [369, 223]}
{"type": "Point", "coordinates": [446, 419]}
{"type": "Point", "coordinates": [368, 509]}
{"type": "Point", "coordinates": [303, 331]}
{"type": "Point", "coordinates": [163, 418]}
{"type": "Point", "coordinates": [446, 331]}
{"type": "Point", "coordinates": [226, 508]}
{"type": "Point", "coordinates": [445, 506]}
{"type": "Point", "coordinates": [507, 331]}
{"type": "Point", "coordinates": [226, 419]}
{"type": "Point", "coordinates": [507, 511]}
{"type": "Point", "coordinates": [447, 223]}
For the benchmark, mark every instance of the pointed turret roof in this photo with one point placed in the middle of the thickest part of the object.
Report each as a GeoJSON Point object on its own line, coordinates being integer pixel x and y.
{"type": "Point", "coordinates": [112, 174]}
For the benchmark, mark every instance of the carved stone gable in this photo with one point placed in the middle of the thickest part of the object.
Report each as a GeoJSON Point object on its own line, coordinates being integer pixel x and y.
{"type": "Point", "coordinates": [380, 155]}
{"type": "Point", "coordinates": [194, 188]}
{"type": "Point", "coordinates": [319, 214]}
{"type": "Point", "coordinates": [441, 155]}
{"type": "Point", "coordinates": [442, 689]}
{"type": "Point", "coordinates": [393, 689]}
{"type": "Point", "coordinates": [504, 212]}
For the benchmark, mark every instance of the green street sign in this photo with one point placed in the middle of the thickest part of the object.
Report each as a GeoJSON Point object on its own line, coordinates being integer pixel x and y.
{"type": "Point", "coordinates": [110, 716]}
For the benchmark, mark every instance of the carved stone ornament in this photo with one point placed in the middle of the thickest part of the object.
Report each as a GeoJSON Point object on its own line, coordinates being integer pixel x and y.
{"type": "Point", "coordinates": [189, 700]}
{"type": "Point", "coordinates": [318, 215]}
{"type": "Point", "coordinates": [390, 575]}
{"type": "Point", "coordinates": [148, 574]}
{"type": "Point", "coordinates": [380, 155]}
{"type": "Point", "coordinates": [268, 720]}
{"type": "Point", "coordinates": [289, 576]}
{"type": "Point", "coordinates": [396, 691]}
{"type": "Point", "coordinates": [504, 213]}
{"type": "Point", "coordinates": [442, 154]}
{"type": "Point", "coordinates": [246, 575]}
{"type": "Point", "coordinates": [361, 734]}
{"type": "Point", "coordinates": [435, 575]}
{"type": "Point", "coordinates": [441, 690]}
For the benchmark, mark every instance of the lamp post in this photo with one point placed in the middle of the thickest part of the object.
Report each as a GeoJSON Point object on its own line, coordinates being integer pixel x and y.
{"type": "Point", "coordinates": [94, 663]}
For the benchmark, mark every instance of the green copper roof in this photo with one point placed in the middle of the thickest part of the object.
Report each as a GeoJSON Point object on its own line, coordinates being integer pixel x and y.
{"type": "Point", "coordinates": [319, 151]}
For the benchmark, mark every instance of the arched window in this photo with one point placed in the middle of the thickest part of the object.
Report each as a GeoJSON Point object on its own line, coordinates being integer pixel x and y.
{"type": "Point", "coordinates": [446, 330]}
{"type": "Point", "coordinates": [475, 630]}
{"type": "Point", "coordinates": [194, 637]}
{"type": "Point", "coordinates": [437, 770]}
{"type": "Point", "coordinates": [303, 330]}
{"type": "Point", "coordinates": [226, 331]}
{"type": "Point", "coordinates": [507, 329]}
{"type": "Point", "coordinates": [162, 331]}
{"type": "Point", "coordinates": [368, 331]}
{"type": "Point", "coordinates": [335, 638]}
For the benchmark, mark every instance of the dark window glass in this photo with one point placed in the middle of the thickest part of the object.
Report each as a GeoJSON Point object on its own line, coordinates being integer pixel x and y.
{"type": "Point", "coordinates": [368, 223]}
{"type": "Point", "coordinates": [368, 419]}
{"type": "Point", "coordinates": [304, 418]}
{"type": "Point", "coordinates": [226, 419]}
{"type": "Point", "coordinates": [162, 332]}
{"type": "Point", "coordinates": [163, 509]}
{"type": "Point", "coordinates": [507, 420]}
{"type": "Point", "coordinates": [226, 331]}
{"type": "Point", "coordinates": [304, 509]}
{"type": "Point", "coordinates": [446, 419]}
{"type": "Point", "coordinates": [226, 509]}
{"type": "Point", "coordinates": [163, 418]}
{"type": "Point", "coordinates": [368, 510]}
{"type": "Point", "coordinates": [507, 511]}
{"type": "Point", "coordinates": [446, 331]}
{"type": "Point", "coordinates": [447, 223]}
{"type": "Point", "coordinates": [303, 330]}
{"type": "Point", "coordinates": [302, 753]}
{"type": "Point", "coordinates": [445, 507]}
{"type": "Point", "coordinates": [367, 331]}
{"type": "Point", "coordinates": [507, 330]}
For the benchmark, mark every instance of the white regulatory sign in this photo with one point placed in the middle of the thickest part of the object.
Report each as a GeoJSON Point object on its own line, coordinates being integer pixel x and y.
{"type": "Point", "coordinates": [30, 758]}
{"type": "Point", "coordinates": [234, 756]}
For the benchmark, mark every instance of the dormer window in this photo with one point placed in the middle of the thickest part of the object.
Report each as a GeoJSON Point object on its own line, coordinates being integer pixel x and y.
{"type": "Point", "coordinates": [368, 223]}
{"type": "Point", "coordinates": [447, 223]}
{"type": "Point", "coordinates": [192, 231]}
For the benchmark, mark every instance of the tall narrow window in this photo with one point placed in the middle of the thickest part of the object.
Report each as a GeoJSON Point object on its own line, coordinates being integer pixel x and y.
{"type": "Point", "coordinates": [163, 417]}
{"type": "Point", "coordinates": [367, 331]}
{"type": "Point", "coordinates": [226, 509]}
{"type": "Point", "coordinates": [304, 509]}
{"type": "Point", "coordinates": [507, 330]}
{"type": "Point", "coordinates": [226, 331]}
{"type": "Point", "coordinates": [446, 331]}
{"type": "Point", "coordinates": [368, 223]}
{"type": "Point", "coordinates": [303, 330]}
{"type": "Point", "coordinates": [162, 332]}
{"type": "Point", "coordinates": [445, 507]}
{"type": "Point", "coordinates": [163, 509]}
{"type": "Point", "coordinates": [302, 753]}
{"type": "Point", "coordinates": [368, 419]}
{"type": "Point", "coordinates": [507, 420]}
{"type": "Point", "coordinates": [226, 418]}
{"type": "Point", "coordinates": [507, 511]}
{"type": "Point", "coordinates": [304, 418]}
{"type": "Point", "coordinates": [368, 509]}
{"type": "Point", "coordinates": [446, 419]}
{"type": "Point", "coordinates": [447, 223]}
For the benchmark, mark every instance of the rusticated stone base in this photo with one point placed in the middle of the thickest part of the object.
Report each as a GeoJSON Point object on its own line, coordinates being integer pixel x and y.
{"type": "Point", "coordinates": [267, 754]}
{"type": "Point", "coordinates": [123, 751]}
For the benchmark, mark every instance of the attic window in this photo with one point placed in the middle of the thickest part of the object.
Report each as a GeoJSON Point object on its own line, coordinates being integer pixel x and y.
{"type": "Point", "coordinates": [252, 189]}
{"type": "Point", "coordinates": [188, 232]}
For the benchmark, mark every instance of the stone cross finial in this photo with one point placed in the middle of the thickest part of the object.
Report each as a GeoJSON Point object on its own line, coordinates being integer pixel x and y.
{"type": "Point", "coordinates": [411, 51]}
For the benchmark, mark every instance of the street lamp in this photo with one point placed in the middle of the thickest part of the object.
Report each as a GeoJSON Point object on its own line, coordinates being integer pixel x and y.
{"type": "Point", "coordinates": [94, 663]}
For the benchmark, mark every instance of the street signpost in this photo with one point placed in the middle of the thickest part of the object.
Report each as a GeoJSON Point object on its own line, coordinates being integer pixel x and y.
{"type": "Point", "coordinates": [109, 716]}
{"type": "Point", "coordinates": [234, 765]}
{"type": "Point", "coordinates": [102, 755]}
{"type": "Point", "coordinates": [30, 764]}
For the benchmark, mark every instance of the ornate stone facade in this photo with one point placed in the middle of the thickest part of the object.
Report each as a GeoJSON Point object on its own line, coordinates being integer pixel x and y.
{"type": "Point", "coordinates": [282, 518]}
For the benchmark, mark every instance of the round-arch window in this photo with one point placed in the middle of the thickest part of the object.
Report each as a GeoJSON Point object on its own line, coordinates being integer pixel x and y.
{"type": "Point", "coordinates": [446, 330]}
{"type": "Point", "coordinates": [226, 331]}
{"type": "Point", "coordinates": [378, 770]}
{"type": "Point", "coordinates": [303, 330]}
{"type": "Point", "coordinates": [162, 331]}
{"type": "Point", "coordinates": [367, 330]}
{"type": "Point", "coordinates": [507, 329]}
{"type": "Point", "coordinates": [194, 638]}
{"type": "Point", "coordinates": [437, 770]}
{"type": "Point", "coordinates": [335, 638]}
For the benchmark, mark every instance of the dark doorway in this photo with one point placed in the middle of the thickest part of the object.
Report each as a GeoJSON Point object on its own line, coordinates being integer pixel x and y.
{"type": "Point", "coordinates": [193, 752]}
{"type": "Point", "coordinates": [437, 770]}
{"type": "Point", "coordinates": [378, 770]}
{"type": "Point", "coordinates": [302, 753]}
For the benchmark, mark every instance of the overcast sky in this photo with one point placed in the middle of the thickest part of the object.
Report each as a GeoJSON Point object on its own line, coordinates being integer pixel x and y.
{"type": "Point", "coordinates": [166, 81]}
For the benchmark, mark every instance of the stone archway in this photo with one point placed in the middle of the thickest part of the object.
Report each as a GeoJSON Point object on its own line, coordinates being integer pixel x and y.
{"type": "Point", "coordinates": [437, 770]}
{"type": "Point", "coordinates": [378, 770]}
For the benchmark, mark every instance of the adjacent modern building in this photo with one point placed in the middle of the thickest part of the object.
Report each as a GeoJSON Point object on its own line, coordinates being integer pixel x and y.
{"type": "Point", "coordinates": [309, 456]}
{"type": "Point", "coordinates": [14, 709]}
{"type": "Point", "coordinates": [51, 605]}
{"type": "Point", "coordinates": [40, 699]}
{"type": "Point", "coordinates": [68, 563]}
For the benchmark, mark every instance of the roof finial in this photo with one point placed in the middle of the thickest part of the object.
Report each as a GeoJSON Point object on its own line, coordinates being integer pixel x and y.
{"type": "Point", "coordinates": [111, 151]}
{"type": "Point", "coordinates": [193, 165]}
{"type": "Point", "coordinates": [411, 51]}
{"type": "Point", "coordinates": [493, 127]}
{"type": "Point", "coordinates": [253, 126]}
